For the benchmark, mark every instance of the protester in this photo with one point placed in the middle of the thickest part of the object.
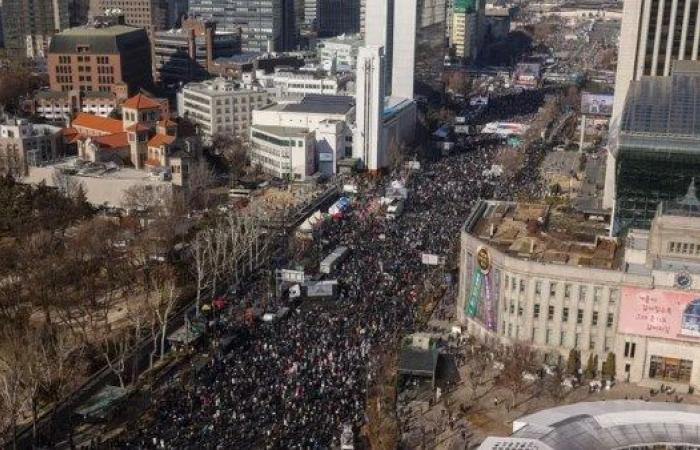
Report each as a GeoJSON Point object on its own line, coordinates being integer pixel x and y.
{"type": "Point", "coordinates": [293, 383]}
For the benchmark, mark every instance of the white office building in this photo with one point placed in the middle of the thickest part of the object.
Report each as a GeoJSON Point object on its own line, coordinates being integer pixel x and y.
{"type": "Point", "coordinates": [339, 53]}
{"type": "Point", "coordinates": [297, 139]}
{"type": "Point", "coordinates": [282, 83]}
{"type": "Point", "coordinates": [221, 106]}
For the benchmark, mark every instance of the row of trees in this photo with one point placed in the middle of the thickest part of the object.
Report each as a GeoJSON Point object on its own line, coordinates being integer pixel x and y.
{"type": "Point", "coordinates": [223, 252]}
{"type": "Point", "coordinates": [77, 291]}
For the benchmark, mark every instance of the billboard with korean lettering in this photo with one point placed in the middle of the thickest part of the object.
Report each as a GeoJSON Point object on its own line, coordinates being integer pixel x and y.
{"type": "Point", "coordinates": [660, 313]}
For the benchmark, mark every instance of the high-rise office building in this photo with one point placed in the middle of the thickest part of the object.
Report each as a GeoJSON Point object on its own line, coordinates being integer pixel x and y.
{"type": "Point", "coordinates": [264, 24]}
{"type": "Point", "coordinates": [187, 53]}
{"type": "Point", "coordinates": [654, 33]}
{"type": "Point", "coordinates": [336, 17]}
{"type": "Point", "coordinates": [468, 28]}
{"type": "Point", "coordinates": [412, 33]}
{"type": "Point", "coordinates": [29, 24]}
{"type": "Point", "coordinates": [368, 142]}
{"type": "Point", "coordinates": [153, 15]}
{"type": "Point", "coordinates": [658, 144]}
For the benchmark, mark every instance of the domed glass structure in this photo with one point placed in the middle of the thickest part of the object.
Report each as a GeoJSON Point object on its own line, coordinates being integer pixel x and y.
{"type": "Point", "coordinates": [690, 324]}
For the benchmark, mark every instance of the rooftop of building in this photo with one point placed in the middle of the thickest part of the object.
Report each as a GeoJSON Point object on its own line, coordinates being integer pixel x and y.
{"type": "Point", "coordinates": [316, 104]}
{"type": "Point", "coordinates": [111, 39]}
{"type": "Point", "coordinates": [94, 122]}
{"type": "Point", "coordinates": [218, 86]}
{"type": "Point", "coordinates": [352, 39]}
{"type": "Point", "coordinates": [281, 131]}
{"type": "Point", "coordinates": [664, 105]}
{"type": "Point", "coordinates": [140, 101]}
{"type": "Point", "coordinates": [544, 233]}
{"type": "Point", "coordinates": [616, 424]}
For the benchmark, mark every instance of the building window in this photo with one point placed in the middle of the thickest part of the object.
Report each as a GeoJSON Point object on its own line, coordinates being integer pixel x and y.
{"type": "Point", "coordinates": [597, 293]}
{"type": "Point", "coordinates": [550, 312]}
{"type": "Point", "coordinates": [534, 333]}
{"type": "Point", "coordinates": [520, 310]}
{"type": "Point", "coordinates": [594, 318]}
{"type": "Point", "coordinates": [577, 340]}
{"type": "Point", "coordinates": [670, 369]}
{"type": "Point", "coordinates": [536, 311]}
{"type": "Point", "coordinates": [510, 329]}
{"type": "Point", "coordinates": [579, 316]}
{"type": "Point", "coordinates": [591, 343]}
{"type": "Point", "coordinates": [609, 322]}
{"type": "Point", "coordinates": [562, 338]}
{"type": "Point", "coordinates": [630, 349]}
{"type": "Point", "coordinates": [522, 283]}
{"type": "Point", "coordinates": [567, 291]}
{"type": "Point", "coordinates": [512, 308]}
{"type": "Point", "coordinates": [552, 289]}
{"type": "Point", "coordinates": [547, 336]}
{"type": "Point", "coordinates": [565, 314]}
{"type": "Point", "coordinates": [538, 288]}
{"type": "Point", "coordinates": [582, 292]}
{"type": "Point", "coordinates": [614, 294]}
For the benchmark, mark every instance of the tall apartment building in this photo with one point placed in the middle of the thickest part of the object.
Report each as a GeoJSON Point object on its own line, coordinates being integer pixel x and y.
{"type": "Point", "coordinates": [220, 106]}
{"type": "Point", "coordinates": [336, 17]}
{"type": "Point", "coordinates": [468, 28]}
{"type": "Point", "coordinates": [264, 24]}
{"type": "Point", "coordinates": [654, 33]}
{"type": "Point", "coordinates": [28, 25]}
{"type": "Point", "coordinates": [152, 15]}
{"type": "Point", "coordinates": [112, 59]}
{"type": "Point", "coordinates": [186, 54]}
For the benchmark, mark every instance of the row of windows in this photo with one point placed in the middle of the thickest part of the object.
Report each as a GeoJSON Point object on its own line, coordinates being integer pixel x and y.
{"type": "Point", "coordinates": [684, 248]}
{"type": "Point", "coordinates": [105, 69]}
{"type": "Point", "coordinates": [64, 78]}
{"type": "Point", "coordinates": [553, 286]}
{"type": "Point", "coordinates": [277, 141]}
{"type": "Point", "coordinates": [551, 312]}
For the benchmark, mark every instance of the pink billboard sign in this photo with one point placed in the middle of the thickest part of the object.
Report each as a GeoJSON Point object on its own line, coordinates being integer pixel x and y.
{"type": "Point", "coordinates": [660, 313]}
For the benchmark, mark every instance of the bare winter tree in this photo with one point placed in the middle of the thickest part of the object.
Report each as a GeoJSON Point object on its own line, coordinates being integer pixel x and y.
{"type": "Point", "coordinates": [519, 360]}
{"type": "Point", "coordinates": [163, 304]}
{"type": "Point", "coordinates": [68, 185]}
{"type": "Point", "coordinates": [201, 178]}
{"type": "Point", "coordinates": [14, 358]}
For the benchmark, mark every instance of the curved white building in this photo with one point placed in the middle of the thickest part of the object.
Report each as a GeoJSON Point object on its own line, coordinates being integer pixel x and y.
{"type": "Point", "coordinates": [619, 424]}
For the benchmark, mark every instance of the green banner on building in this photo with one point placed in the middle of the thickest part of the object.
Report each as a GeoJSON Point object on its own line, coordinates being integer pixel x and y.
{"type": "Point", "coordinates": [472, 305]}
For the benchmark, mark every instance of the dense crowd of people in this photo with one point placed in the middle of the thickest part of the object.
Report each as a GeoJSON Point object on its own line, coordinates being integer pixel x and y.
{"type": "Point", "coordinates": [295, 382]}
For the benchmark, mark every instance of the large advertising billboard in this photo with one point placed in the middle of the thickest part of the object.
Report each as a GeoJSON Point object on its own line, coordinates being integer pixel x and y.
{"type": "Point", "coordinates": [660, 313]}
{"type": "Point", "coordinates": [596, 104]}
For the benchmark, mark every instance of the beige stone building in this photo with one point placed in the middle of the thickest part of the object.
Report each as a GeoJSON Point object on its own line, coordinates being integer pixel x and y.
{"type": "Point", "coordinates": [548, 277]}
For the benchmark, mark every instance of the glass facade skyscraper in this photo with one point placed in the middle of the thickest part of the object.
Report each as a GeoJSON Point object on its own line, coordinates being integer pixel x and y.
{"type": "Point", "coordinates": [264, 24]}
